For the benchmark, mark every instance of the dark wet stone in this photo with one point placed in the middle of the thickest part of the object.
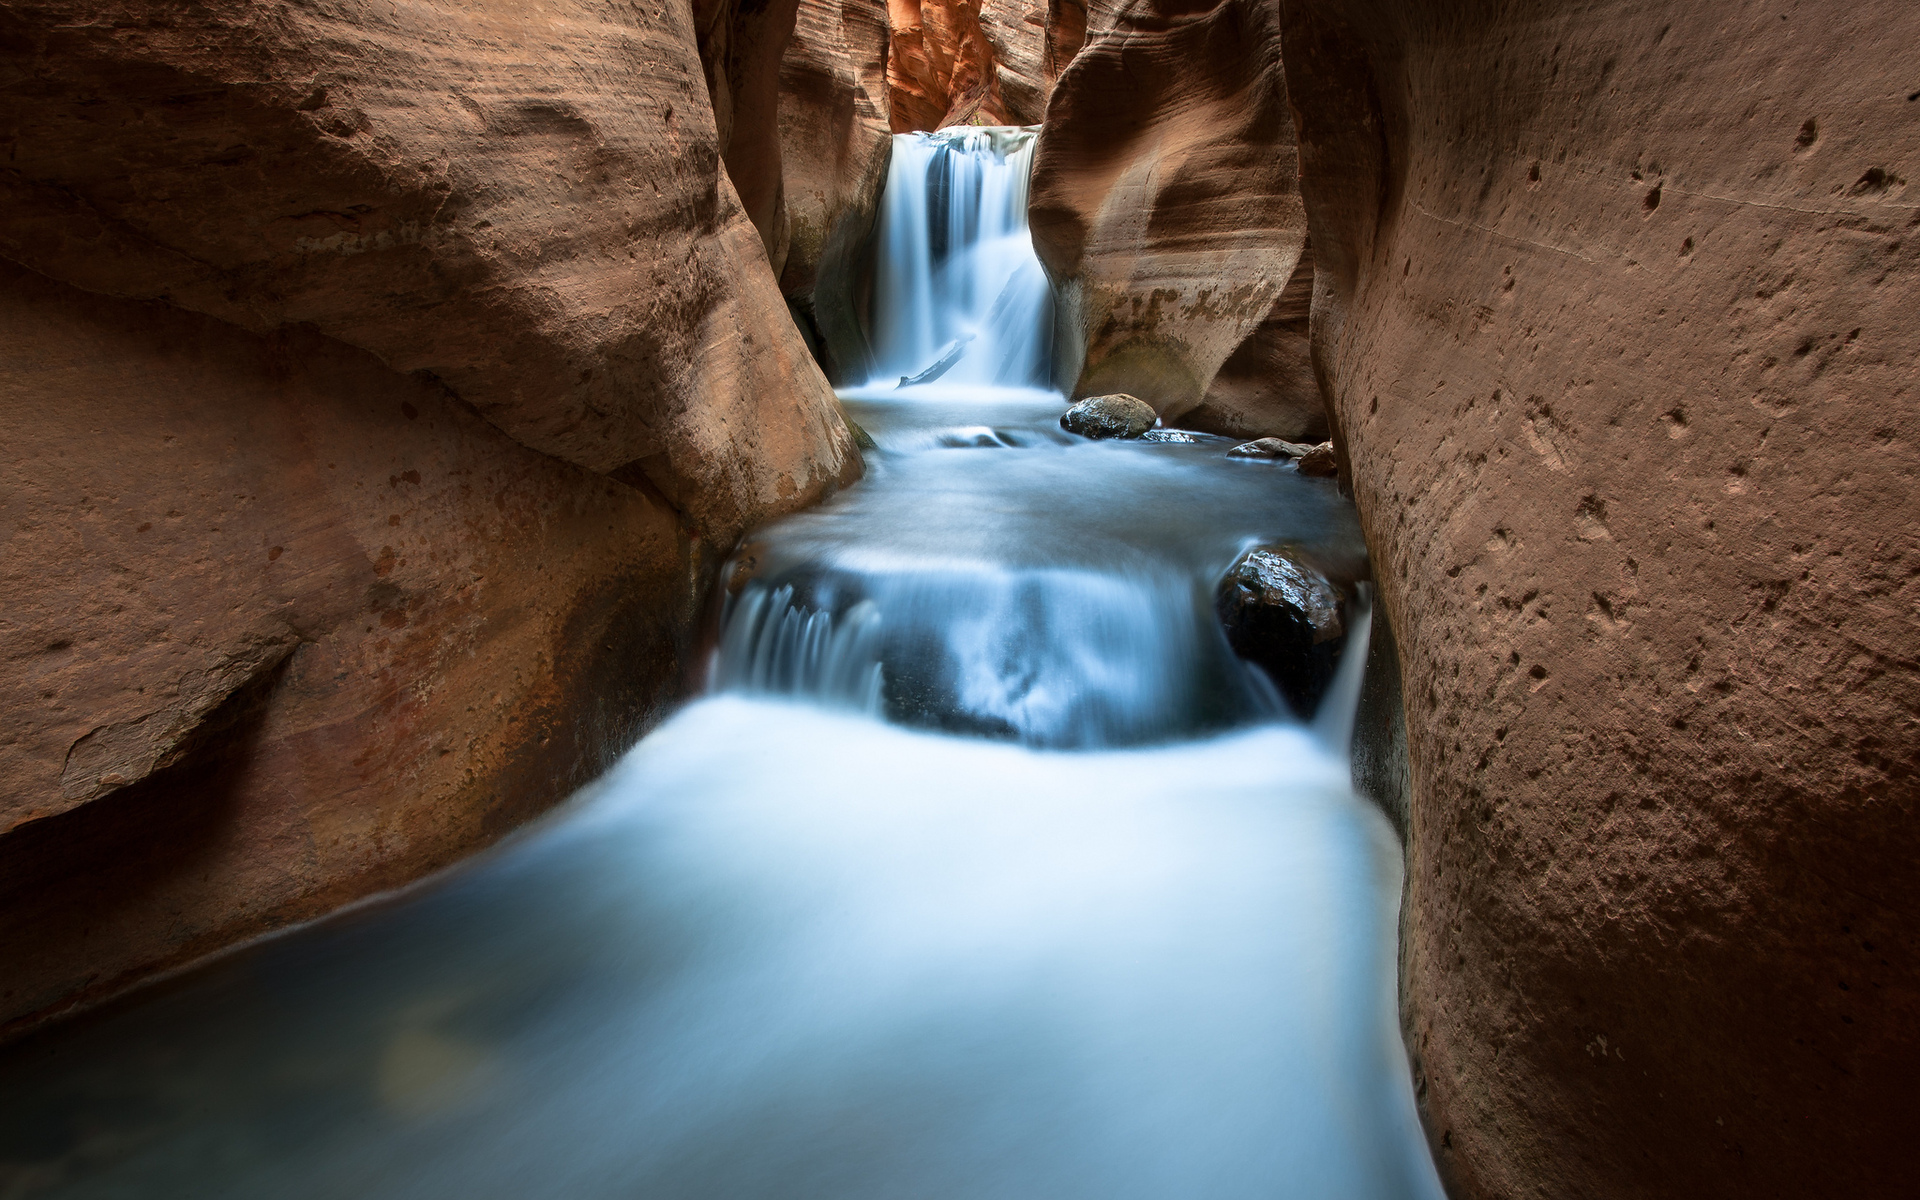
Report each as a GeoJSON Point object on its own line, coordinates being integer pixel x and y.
{"type": "Point", "coordinates": [1117, 416]}
{"type": "Point", "coordinates": [1288, 619]}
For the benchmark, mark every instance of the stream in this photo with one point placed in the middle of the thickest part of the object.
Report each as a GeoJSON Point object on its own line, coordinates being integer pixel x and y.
{"type": "Point", "coordinates": [983, 869]}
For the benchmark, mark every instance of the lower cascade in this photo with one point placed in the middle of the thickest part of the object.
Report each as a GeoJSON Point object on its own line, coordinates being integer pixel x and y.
{"type": "Point", "coordinates": [985, 868]}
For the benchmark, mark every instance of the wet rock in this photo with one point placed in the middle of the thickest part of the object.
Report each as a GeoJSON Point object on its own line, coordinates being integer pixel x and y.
{"type": "Point", "coordinates": [1170, 436]}
{"type": "Point", "coordinates": [1269, 448]}
{"type": "Point", "coordinates": [1109, 417]}
{"type": "Point", "coordinates": [1320, 461]}
{"type": "Point", "coordinates": [1288, 619]}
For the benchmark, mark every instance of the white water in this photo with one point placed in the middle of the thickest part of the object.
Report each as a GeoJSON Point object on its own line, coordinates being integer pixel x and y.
{"type": "Point", "coordinates": [1137, 941]}
{"type": "Point", "coordinates": [957, 272]}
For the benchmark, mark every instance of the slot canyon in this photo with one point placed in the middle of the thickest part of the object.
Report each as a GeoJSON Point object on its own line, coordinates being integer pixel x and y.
{"type": "Point", "coordinates": [959, 598]}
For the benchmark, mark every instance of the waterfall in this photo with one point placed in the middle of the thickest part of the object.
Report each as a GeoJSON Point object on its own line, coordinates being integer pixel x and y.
{"type": "Point", "coordinates": [959, 294]}
{"type": "Point", "coordinates": [856, 925]}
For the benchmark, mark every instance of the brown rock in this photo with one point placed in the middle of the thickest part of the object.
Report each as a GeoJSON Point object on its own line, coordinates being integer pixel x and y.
{"type": "Point", "coordinates": [289, 621]}
{"type": "Point", "coordinates": [530, 208]}
{"type": "Point", "coordinates": [1164, 201]}
{"type": "Point", "coordinates": [835, 147]}
{"type": "Point", "coordinates": [283, 628]}
{"type": "Point", "coordinates": [1269, 448]}
{"type": "Point", "coordinates": [1108, 417]}
{"type": "Point", "coordinates": [1321, 461]}
{"type": "Point", "coordinates": [1615, 312]}
{"type": "Point", "coordinates": [1267, 388]}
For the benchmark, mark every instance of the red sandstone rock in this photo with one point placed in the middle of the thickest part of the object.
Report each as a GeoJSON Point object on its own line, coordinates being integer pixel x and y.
{"type": "Point", "coordinates": [1165, 203]}
{"type": "Point", "coordinates": [287, 621]}
{"type": "Point", "coordinates": [1615, 308]}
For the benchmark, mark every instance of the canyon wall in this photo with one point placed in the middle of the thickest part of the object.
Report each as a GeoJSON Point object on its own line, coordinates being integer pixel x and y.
{"type": "Point", "coordinates": [1614, 311]}
{"type": "Point", "coordinates": [1166, 208]}
{"type": "Point", "coordinates": [380, 384]}
{"type": "Point", "coordinates": [835, 142]}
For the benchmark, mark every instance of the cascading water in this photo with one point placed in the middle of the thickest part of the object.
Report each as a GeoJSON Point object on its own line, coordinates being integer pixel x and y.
{"type": "Point", "coordinates": [958, 293]}
{"type": "Point", "coordinates": [987, 871]}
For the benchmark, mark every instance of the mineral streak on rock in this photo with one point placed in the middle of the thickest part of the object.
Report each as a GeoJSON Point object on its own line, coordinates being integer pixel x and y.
{"type": "Point", "coordinates": [1614, 304]}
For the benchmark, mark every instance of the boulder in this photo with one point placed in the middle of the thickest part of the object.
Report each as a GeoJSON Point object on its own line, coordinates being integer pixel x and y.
{"type": "Point", "coordinates": [1108, 417]}
{"type": "Point", "coordinates": [1321, 461]}
{"type": "Point", "coordinates": [1287, 618]}
{"type": "Point", "coordinates": [1614, 305]}
{"type": "Point", "coordinates": [1269, 448]}
{"type": "Point", "coordinates": [1165, 200]}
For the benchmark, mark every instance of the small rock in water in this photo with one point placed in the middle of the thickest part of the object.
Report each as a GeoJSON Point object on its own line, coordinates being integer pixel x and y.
{"type": "Point", "coordinates": [1176, 436]}
{"type": "Point", "coordinates": [1320, 461]}
{"type": "Point", "coordinates": [1269, 448]}
{"type": "Point", "coordinates": [1287, 619]}
{"type": "Point", "coordinates": [1116, 416]}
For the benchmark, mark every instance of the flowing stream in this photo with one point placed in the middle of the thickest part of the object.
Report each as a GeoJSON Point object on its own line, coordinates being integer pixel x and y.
{"type": "Point", "coordinates": [984, 870]}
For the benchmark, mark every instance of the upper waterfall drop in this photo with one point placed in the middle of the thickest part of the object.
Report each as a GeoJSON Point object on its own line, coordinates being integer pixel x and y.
{"type": "Point", "coordinates": [959, 294]}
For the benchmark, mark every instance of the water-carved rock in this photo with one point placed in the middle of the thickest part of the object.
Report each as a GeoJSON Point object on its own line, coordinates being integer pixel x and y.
{"type": "Point", "coordinates": [1109, 417]}
{"type": "Point", "coordinates": [1621, 355]}
{"type": "Point", "coordinates": [376, 383]}
{"type": "Point", "coordinates": [1165, 203]}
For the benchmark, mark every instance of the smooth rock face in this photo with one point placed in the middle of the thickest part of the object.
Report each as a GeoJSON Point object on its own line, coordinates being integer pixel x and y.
{"type": "Point", "coordinates": [530, 205]}
{"type": "Point", "coordinates": [1165, 203]}
{"type": "Point", "coordinates": [283, 628]}
{"type": "Point", "coordinates": [1267, 388]}
{"type": "Point", "coordinates": [376, 384]}
{"type": "Point", "coordinates": [1615, 305]}
{"type": "Point", "coordinates": [1109, 417]}
{"type": "Point", "coordinates": [1286, 617]}
{"type": "Point", "coordinates": [833, 121]}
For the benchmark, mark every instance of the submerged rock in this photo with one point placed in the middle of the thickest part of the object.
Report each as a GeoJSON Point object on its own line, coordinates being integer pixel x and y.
{"type": "Point", "coordinates": [1117, 416]}
{"type": "Point", "coordinates": [1269, 448]}
{"type": "Point", "coordinates": [1172, 436]}
{"type": "Point", "coordinates": [1286, 618]}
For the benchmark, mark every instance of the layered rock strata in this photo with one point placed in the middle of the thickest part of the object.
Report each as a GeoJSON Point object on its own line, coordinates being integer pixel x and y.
{"type": "Point", "coordinates": [1165, 206]}
{"type": "Point", "coordinates": [377, 382]}
{"type": "Point", "coordinates": [1613, 310]}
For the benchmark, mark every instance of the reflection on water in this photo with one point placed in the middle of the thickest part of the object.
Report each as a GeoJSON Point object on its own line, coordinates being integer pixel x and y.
{"type": "Point", "coordinates": [790, 948]}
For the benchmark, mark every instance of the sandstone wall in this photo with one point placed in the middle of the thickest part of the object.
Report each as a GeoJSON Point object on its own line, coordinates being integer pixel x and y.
{"type": "Point", "coordinates": [835, 143]}
{"type": "Point", "coordinates": [379, 382]}
{"type": "Point", "coordinates": [1614, 310]}
{"type": "Point", "coordinates": [1166, 208]}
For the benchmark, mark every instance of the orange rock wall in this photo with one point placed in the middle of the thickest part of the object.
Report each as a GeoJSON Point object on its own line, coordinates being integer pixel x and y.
{"type": "Point", "coordinates": [1614, 310]}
